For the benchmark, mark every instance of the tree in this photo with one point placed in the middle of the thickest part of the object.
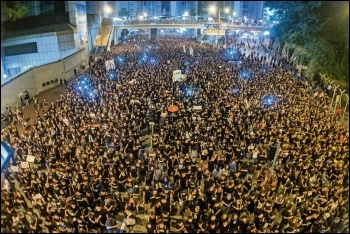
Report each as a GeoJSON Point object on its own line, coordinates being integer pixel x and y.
{"type": "Point", "coordinates": [123, 12]}
{"type": "Point", "coordinates": [13, 10]}
{"type": "Point", "coordinates": [320, 29]}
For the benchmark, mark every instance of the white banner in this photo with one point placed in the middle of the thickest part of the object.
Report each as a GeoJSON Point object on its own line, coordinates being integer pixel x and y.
{"type": "Point", "coordinates": [184, 48]}
{"type": "Point", "coordinates": [177, 75]}
{"type": "Point", "coordinates": [191, 51]}
{"type": "Point", "coordinates": [110, 64]}
{"type": "Point", "coordinates": [197, 107]}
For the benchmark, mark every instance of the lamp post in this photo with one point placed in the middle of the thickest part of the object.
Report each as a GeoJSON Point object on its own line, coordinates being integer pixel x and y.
{"type": "Point", "coordinates": [226, 11]}
{"type": "Point", "coordinates": [186, 15]}
{"type": "Point", "coordinates": [213, 9]}
{"type": "Point", "coordinates": [107, 9]}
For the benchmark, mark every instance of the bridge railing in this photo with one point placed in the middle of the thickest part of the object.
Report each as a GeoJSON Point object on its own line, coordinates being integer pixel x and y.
{"type": "Point", "coordinates": [247, 25]}
{"type": "Point", "coordinates": [133, 22]}
{"type": "Point", "coordinates": [170, 22]}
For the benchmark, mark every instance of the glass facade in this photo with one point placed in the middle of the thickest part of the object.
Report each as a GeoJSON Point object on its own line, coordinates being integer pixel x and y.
{"type": "Point", "coordinates": [44, 7]}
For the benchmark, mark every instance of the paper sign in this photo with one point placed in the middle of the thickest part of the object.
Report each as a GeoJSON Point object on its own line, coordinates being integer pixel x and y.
{"type": "Point", "coordinates": [30, 158]}
{"type": "Point", "coordinates": [197, 107]}
{"type": "Point", "coordinates": [14, 168]}
{"type": "Point", "coordinates": [24, 164]}
{"type": "Point", "coordinates": [177, 75]}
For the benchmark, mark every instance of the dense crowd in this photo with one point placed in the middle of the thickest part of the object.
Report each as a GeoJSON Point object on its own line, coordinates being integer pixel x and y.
{"type": "Point", "coordinates": [210, 164]}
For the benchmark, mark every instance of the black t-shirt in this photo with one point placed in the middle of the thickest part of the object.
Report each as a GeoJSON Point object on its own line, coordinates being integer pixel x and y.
{"type": "Point", "coordinates": [229, 190]}
{"type": "Point", "coordinates": [150, 229]}
{"type": "Point", "coordinates": [243, 226]}
{"type": "Point", "coordinates": [212, 228]}
{"type": "Point", "coordinates": [133, 172]}
{"type": "Point", "coordinates": [189, 226]}
{"type": "Point", "coordinates": [221, 182]}
{"type": "Point", "coordinates": [179, 227]}
{"type": "Point", "coordinates": [183, 181]}
{"type": "Point", "coordinates": [224, 199]}
{"type": "Point", "coordinates": [147, 195]}
{"type": "Point", "coordinates": [225, 229]}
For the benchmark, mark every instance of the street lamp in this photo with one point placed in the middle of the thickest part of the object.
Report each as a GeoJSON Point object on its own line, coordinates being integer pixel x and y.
{"type": "Point", "coordinates": [226, 11]}
{"type": "Point", "coordinates": [212, 9]}
{"type": "Point", "coordinates": [107, 9]}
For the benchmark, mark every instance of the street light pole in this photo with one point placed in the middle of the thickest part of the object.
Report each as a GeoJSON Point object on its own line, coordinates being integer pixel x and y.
{"type": "Point", "coordinates": [99, 15]}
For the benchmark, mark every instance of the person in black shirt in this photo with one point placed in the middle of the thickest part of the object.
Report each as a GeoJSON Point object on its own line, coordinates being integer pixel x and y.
{"type": "Point", "coordinates": [221, 181]}
{"type": "Point", "coordinates": [243, 224]}
{"type": "Point", "coordinates": [190, 227]}
{"type": "Point", "coordinates": [212, 228]}
{"type": "Point", "coordinates": [197, 216]}
{"type": "Point", "coordinates": [146, 196]}
{"type": "Point", "coordinates": [226, 203]}
{"type": "Point", "coordinates": [150, 228]}
{"type": "Point", "coordinates": [183, 181]}
{"type": "Point", "coordinates": [161, 228]}
{"type": "Point", "coordinates": [202, 202]}
{"type": "Point", "coordinates": [225, 227]}
{"type": "Point", "coordinates": [166, 219]}
{"type": "Point", "coordinates": [181, 228]}
{"type": "Point", "coordinates": [251, 203]}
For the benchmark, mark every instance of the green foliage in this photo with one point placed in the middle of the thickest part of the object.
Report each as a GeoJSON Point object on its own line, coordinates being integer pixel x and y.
{"type": "Point", "coordinates": [123, 12]}
{"type": "Point", "coordinates": [321, 29]}
{"type": "Point", "coordinates": [13, 10]}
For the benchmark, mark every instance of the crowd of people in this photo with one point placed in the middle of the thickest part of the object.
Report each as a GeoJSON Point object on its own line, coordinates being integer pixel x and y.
{"type": "Point", "coordinates": [209, 162]}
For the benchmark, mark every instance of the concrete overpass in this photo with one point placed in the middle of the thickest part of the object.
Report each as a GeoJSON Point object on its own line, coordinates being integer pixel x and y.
{"type": "Point", "coordinates": [200, 26]}
{"type": "Point", "coordinates": [137, 26]}
{"type": "Point", "coordinates": [110, 30]}
{"type": "Point", "coordinates": [197, 29]}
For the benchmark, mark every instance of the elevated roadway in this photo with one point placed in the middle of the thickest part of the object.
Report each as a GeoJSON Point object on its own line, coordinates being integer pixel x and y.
{"type": "Point", "coordinates": [200, 26]}
{"type": "Point", "coordinates": [109, 30]}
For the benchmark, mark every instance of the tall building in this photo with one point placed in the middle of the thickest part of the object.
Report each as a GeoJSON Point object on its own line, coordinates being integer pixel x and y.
{"type": "Point", "coordinates": [190, 7]}
{"type": "Point", "coordinates": [253, 10]}
{"type": "Point", "coordinates": [51, 30]}
{"type": "Point", "coordinates": [173, 10]}
{"type": "Point", "coordinates": [238, 9]}
{"type": "Point", "coordinates": [166, 8]}
{"type": "Point", "coordinates": [131, 8]}
{"type": "Point", "coordinates": [152, 8]}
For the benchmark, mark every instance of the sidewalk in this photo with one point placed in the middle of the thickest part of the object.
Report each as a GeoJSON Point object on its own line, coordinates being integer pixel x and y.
{"type": "Point", "coordinates": [51, 95]}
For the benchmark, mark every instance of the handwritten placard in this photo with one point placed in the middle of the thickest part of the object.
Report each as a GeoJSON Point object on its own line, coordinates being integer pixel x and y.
{"type": "Point", "coordinates": [30, 158]}
{"type": "Point", "coordinates": [24, 164]}
{"type": "Point", "coordinates": [14, 168]}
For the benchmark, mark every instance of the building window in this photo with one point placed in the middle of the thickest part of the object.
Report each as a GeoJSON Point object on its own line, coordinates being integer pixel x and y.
{"type": "Point", "coordinates": [47, 7]}
{"type": "Point", "coordinates": [26, 48]}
